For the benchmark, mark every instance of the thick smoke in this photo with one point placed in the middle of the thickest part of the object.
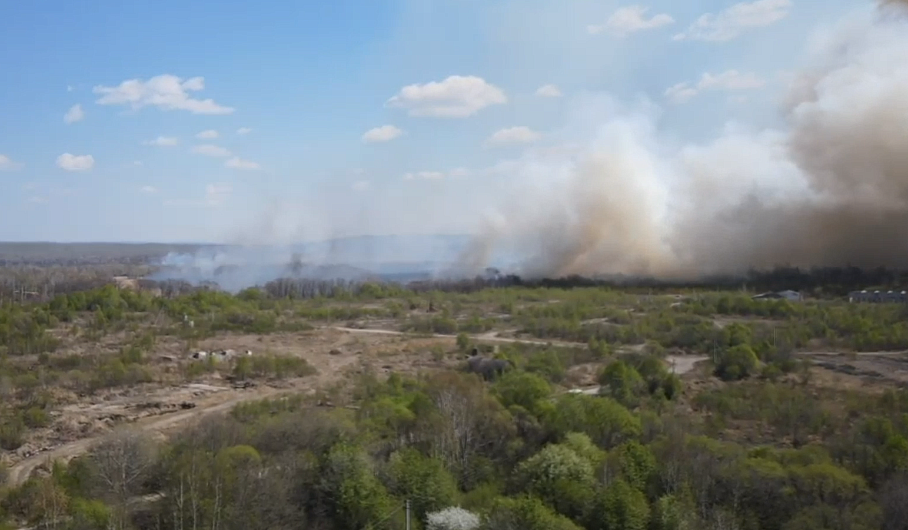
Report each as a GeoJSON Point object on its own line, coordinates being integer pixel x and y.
{"type": "Point", "coordinates": [829, 189]}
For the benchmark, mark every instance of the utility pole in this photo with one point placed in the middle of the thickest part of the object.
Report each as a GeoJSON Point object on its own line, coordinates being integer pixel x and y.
{"type": "Point", "coordinates": [408, 514]}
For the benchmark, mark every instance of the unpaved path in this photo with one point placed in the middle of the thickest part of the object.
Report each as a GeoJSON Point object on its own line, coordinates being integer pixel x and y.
{"type": "Point", "coordinates": [681, 364]}
{"type": "Point", "coordinates": [487, 337]}
{"type": "Point", "coordinates": [22, 470]}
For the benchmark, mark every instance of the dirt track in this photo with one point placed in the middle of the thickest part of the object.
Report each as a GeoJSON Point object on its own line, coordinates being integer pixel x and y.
{"type": "Point", "coordinates": [681, 364]}
{"type": "Point", "coordinates": [488, 337]}
{"type": "Point", "coordinates": [222, 402]}
{"type": "Point", "coordinates": [22, 470]}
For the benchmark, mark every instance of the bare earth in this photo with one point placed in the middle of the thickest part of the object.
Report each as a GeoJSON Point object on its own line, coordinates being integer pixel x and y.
{"type": "Point", "coordinates": [335, 352]}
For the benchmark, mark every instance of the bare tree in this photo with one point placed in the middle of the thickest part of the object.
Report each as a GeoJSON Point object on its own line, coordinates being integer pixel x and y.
{"type": "Point", "coordinates": [122, 461]}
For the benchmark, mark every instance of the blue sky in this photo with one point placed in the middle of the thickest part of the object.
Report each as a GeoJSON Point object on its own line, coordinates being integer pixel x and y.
{"type": "Point", "coordinates": [291, 89]}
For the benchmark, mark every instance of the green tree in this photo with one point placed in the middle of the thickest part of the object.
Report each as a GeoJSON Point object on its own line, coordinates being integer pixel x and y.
{"type": "Point", "coordinates": [621, 381]}
{"type": "Point", "coordinates": [620, 506]}
{"type": "Point", "coordinates": [422, 479]}
{"type": "Point", "coordinates": [525, 513]}
{"type": "Point", "coordinates": [522, 389]}
{"type": "Point", "coordinates": [737, 362]}
{"type": "Point", "coordinates": [560, 477]}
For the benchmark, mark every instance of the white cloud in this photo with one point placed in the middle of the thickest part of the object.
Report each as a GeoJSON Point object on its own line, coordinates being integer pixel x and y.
{"type": "Point", "coordinates": [459, 172]}
{"type": "Point", "coordinates": [455, 97]}
{"type": "Point", "coordinates": [513, 135]}
{"type": "Point", "coordinates": [137, 162]}
{"type": "Point", "coordinates": [74, 114]}
{"type": "Point", "coordinates": [385, 133]}
{"type": "Point", "coordinates": [206, 135]}
{"type": "Point", "coordinates": [162, 141]}
{"type": "Point", "coordinates": [680, 92]}
{"type": "Point", "coordinates": [37, 199]}
{"type": "Point", "coordinates": [424, 175]}
{"type": "Point", "coordinates": [71, 162]}
{"type": "Point", "coordinates": [361, 185]}
{"type": "Point", "coordinates": [733, 21]}
{"type": "Point", "coordinates": [167, 92]}
{"type": "Point", "coordinates": [548, 91]}
{"type": "Point", "coordinates": [243, 130]}
{"type": "Point", "coordinates": [238, 163]}
{"type": "Point", "coordinates": [148, 189]}
{"type": "Point", "coordinates": [729, 80]}
{"type": "Point", "coordinates": [70, 88]}
{"type": "Point", "coordinates": [7, 164]}
{"type": "Point", "coordinates": [631, 19]}
{"type": "Point", "coordinates": [210, 150]}
{"type": "Point", "coordinates": [215, 195]}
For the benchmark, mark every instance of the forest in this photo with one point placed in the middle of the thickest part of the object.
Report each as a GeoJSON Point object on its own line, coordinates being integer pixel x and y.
{"type": "Point", "coordinates": [757, 437]}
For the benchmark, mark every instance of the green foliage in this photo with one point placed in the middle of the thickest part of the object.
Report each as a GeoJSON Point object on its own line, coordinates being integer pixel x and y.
{"type": "Point", "coordinates": [775, 453]}
{"type": "Point", "coordinates": [622, 382]}
{"type": "Point", "coordinates": [738, 362]}
{"type": "Point", "coordinates": [526, 513]}
{"type": "Point", "coordinates": [522, 389]}
{"type": "Point", "coordinates": [636, 463]}
{"type": "Point", "coordinates": [422, 479]}
{"type": "Point", "coordinates": [560, 477]}
{"type": "Point", "coordinates": [620, 506]}
{"type": "Point", "coordinates": [604, 420]}
{"type": "Point", "coordinates": [359, 499]}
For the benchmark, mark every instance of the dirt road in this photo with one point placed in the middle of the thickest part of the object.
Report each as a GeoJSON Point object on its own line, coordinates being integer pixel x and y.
{"type": "Point", "coordinates": [681, 364]}
{"type": "Point", "coordinates": [22, 470]}
{"type": "Point", "coordinates": [487, 337]}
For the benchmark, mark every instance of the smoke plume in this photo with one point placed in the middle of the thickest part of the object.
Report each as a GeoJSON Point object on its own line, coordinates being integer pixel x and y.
{"type": "Point", "coordinates": [830, 188]}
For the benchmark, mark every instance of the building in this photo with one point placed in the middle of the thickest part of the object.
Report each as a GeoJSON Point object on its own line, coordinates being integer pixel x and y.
{"type": "Point", "coordinates": [791, 296]}
{"type": "Point", "coordinates": [878, 297]}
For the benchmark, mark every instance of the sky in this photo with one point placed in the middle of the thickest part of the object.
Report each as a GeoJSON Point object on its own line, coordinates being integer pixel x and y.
{"type": "Point", "coordinates": [248, 122]}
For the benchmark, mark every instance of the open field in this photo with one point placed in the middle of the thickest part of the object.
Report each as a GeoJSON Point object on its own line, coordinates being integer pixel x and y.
{"type": "Point", "coordinates": [376, 361]}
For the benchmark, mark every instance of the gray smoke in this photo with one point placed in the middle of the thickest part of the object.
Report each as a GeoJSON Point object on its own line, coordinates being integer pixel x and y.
{"type": "Point", "coordinates": [829, 189]}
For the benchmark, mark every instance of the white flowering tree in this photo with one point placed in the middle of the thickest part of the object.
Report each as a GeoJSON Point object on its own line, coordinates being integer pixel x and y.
{"type": "Point", "coordinates": [452, 518]}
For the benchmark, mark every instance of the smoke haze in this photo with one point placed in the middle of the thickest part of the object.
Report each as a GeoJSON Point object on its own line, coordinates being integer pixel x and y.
{"type": "Point", "coordinates": [828, 189]}
{"type": "Point", "coordinates": [614, 194]}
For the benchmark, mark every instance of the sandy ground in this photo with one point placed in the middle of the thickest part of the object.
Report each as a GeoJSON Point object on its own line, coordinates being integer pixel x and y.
{"type": "Point", "coordinates": [79, 422]}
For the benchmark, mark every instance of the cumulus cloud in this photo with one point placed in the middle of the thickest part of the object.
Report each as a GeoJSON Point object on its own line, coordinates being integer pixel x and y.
{"type": "Point", "coordinates": [360, 185]}
{"type": "Point", "coordinates": [148, 189]}
{"type": "Point", "coordinates": [243, 130]}
{"type": "Point", "coordinates": [455, 97]}
{"type": "Point", "coordinates": [74, 114]}
{"type": "Point", "coordinates": [548, 91]}
{"type": "Point", "coordinates": [385, 133]}
{"type": "Point", "coordinates": [8, 164]}
{"type": "Point", "coordinates": [735, 20]}
{"type": "Point", "coordinates": [238, 163]}
{"type": "Point", "coordinates": [512, 136]}
{"type": "Point", "coordinates": [72, 162]}
{"type": "Point", "coordinates": [631, 19]}
{"type": "Point", "coordinates": [162, 141]}
{"type": "Point", "coordinates": [166, 92]}
{"type": "Point", "coordinates": [207, 135]}
{"type": "Point", "coordinates": [729, 80]}
{"type": "Point", "coordinates": [210, 150]}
